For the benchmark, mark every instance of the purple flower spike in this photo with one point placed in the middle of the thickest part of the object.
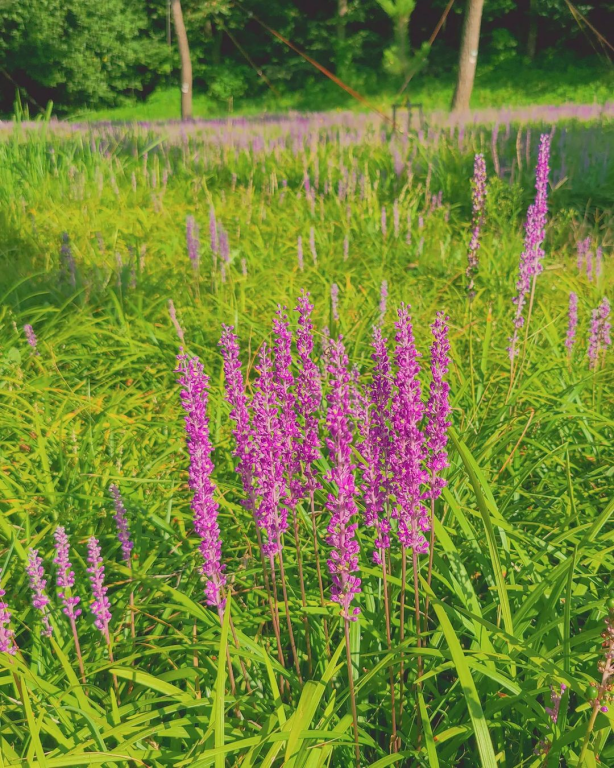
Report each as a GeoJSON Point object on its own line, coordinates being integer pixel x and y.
{"type": "Point", "coordinates": [65, 576]}
{"type": "Point", "coordinates": [194, 398]}
{"type": "Point", "coordinates": [193, 241]}
{"type": "Point", "coordinates": [343, 560]}
{"type": "Point", "coordinates": [38, 582]}
{"type": "Point", "coordinates": [375, 446]}
{"type": "Point", "coordinates": [269, 469]}
{"type": "Point", "coordinates": [101, 607]}
{"type": "Point", "coordinates": [600, 332]}
{"type": "Point", "coordinates": [334, 300]}
{"type": "Point", "coordinates": [535, 231]}
{"type": "Point", "coordinates": [121, 521]}
{"type": "Point", "coordinates": [312, 245]}
{"type": "Point", "coordinates": [235, 395]}
{"type": "Point", "coordinates": [213, 239]}
{"type": "Point", "coordinates": [31, 337]}
{"type": "Point", "coordinates": [383, 222]}
{"type": "Point", "coordinates": [478, 198]}
{"type": "Point", "coordinates": [438, 407]}
{"type": "Point", "coordinates": [7, 644]}
{"type": "Point", "coordinates": [408, 454]}
{"type": "Point", "coordinates": [287, 402]}
{"type": "Point", "coordinates": [308, 393]}
{"type": "Point", "coordinates": [573, 322]}
{"type": "Point", "coordinates": [593, 339]}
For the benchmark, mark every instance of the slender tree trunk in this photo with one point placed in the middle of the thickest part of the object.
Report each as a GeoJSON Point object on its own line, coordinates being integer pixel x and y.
{"type": "Point", "coordinates": [186, 64]}
{"type": "Point", "coordinates": [468, 57]}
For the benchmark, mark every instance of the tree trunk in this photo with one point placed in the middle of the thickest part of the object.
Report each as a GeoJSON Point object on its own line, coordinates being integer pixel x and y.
{"type": "Point", "coordinates": [186, 64]}
{"type": "Point", "coordinates": [468, 57]}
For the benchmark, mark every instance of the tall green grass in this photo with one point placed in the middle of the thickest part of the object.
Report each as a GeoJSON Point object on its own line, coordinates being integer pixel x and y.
{"type": "Point", "coordinates": [524, 537]}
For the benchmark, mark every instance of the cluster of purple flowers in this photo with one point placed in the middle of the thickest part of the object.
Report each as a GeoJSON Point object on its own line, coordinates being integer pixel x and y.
{"type": "Point", "coordinates": [280, 431]}
{"type": "Point", "coordinates": [65, 582]}
{"type": "Point", "coordinates": [535, 231]}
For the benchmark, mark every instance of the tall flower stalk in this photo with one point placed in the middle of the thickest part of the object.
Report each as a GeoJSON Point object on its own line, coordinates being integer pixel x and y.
{"type": "Point", "coordinates": [245, 453]}
{"type": "Point", "coordinates": [437, 414]}
{"type": "Point", "coordinates": [205, 508]}
{"type": "Point", "coordinates": [65, 581]}
{"type": "Point", "coordinates": [290, 432]}
{"type": "Point", "coordinates": [308, 400]}
{"type": "Point", "coordinates": [531, 258]}
{"type": "Point", "coordinates": [127, 545]}
{"type": "Point", "coordinates": [38, 584]}
{"type": "Point", "coordinates": [269, 474]}
{"type": "Point", "coordinates": [572, 325]}
{"type": "Point", "coordinates": [407, 460]}
{"type": "Point", "coordinates": [343, 559]}
{"type": "Point", "coordinates": [7, 642]}
{"type": "Point", "coordinates": [478, 198]}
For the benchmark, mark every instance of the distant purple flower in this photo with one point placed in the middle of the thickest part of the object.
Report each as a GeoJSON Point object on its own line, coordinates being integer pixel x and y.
{"type": "Point", "coordinates": [604, 323]}
{"type": "Point", "coordinates": [420, 221]}
{"type": "Point", "coordinates": [346, 248]}
{"type": "Point", "coordinates": [194, 399]}
{"type": "Point", "coordinates": [334, 300]}
{"type": "Point", "coordinates": [308, 392]}
{"type": "Point", "coordinates": [531, 258]}
{"type": "Point", "coordinates": [343, 560]}
{"type": "Point", "coordinates": [383, 300]}
{"type": "Point", "coordinates": [583, 248]}
{"type": "Point", "coordinates": [213, 231]}
{"type": "Point", "coordinates": [67, 260]}
{"type": "Point", "coordinates": [121, 522]}
{"type": "Point", "coordinates": [299, 253]}
{"type": "Point", "coordinates": [396, 217]}
{"type": "Point", "coordinates": [224, 245]}
{"type": "Point", "coordinates": [31, 337]}
{"type": "Point", "coordinates": [192, 241]}
{"type": "Point", "coordinates": [383, 222]}
{"type": "Point", "coordinates": [479, 198]}
{"type": "Point", "coordinates": [173, 315]}
{"type": "Point", "coordinates": [408, 454]}
{"type": "Point", "coordinates": [65, 576]}
{"type": "Point", "coordinates": [7, 644]}
{"type": "Point", "coordinates": [593, 339]}
{"type": "Point", "coordinates": [101, 606]}
{"type": "Point", "coordinates": [438, 407]}
{"type": "Point", "coordinates": [312, 244]}
{"type": "Point", "coordinates": [269, 469]}
{"type": "Point", "coordinates": [38, 582]}
{"type": "Point", "coordinates": [244, 267]}
{"type": "Point", "coordinates": [598, 262]}
{"type": "Point", "coordinates": [573, 322]}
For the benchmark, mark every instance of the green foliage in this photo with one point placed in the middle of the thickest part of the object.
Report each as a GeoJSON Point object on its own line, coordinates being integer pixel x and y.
{"type": "Point", "coordinates": [523, 556]}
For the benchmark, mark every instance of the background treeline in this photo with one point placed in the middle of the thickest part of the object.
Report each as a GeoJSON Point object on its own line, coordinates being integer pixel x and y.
{"type": "Point", "coordinates": [92, 53]}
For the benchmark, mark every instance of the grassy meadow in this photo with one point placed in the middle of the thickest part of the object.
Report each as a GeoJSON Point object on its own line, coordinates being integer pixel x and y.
{"type": "Point", "coordinates": [92, 248]}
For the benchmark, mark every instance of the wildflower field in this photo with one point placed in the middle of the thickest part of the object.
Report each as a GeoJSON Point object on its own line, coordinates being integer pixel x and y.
{"type": "Point", "coordinates": [306, 443]}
